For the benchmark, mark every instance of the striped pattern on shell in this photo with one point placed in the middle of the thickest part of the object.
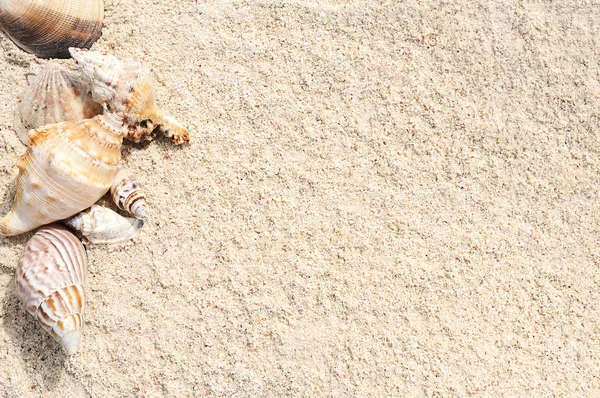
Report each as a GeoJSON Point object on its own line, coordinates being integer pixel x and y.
{"type": "Point", "coordinates": [47, 28]}
{"type": "Point", "coordinates": [49, 279]}
{"type": "Point", "coordinates": [66, 169]}
{"type": "Point", "coordinates": [56, 95]}
{"type": "Point", "coordinates": [128, 194]}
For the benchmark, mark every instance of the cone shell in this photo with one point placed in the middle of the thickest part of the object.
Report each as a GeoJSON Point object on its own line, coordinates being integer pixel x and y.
{"type": "Point", "coordinates": [49, 281]}
{"type": "Point", "coordinates": [128, 194]}
{"type": "Point", "coordinates": [47, 28]}
{"type": "Point", "coordinates": [56, 95]}
{"type": "Point", "coordinates": [126, 88]}
{"type": "Point", "coordinates": [101, 225]}
{"type": "Point", "coordinates": [67, 168]}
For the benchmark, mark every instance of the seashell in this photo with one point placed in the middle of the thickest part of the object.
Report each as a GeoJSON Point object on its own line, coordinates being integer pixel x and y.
{"type": "Point", "coordinates": [56, 95]}
{"type": "Point", "coordinates": [102, 225]}
{"type": "Point", "coordinates": [128, 195]}
{"type": "Point", "coordinates": [126, 89]}
{"type": "Point", "coordinates": [66, 168]}
{"type": "Point", "coordinates": [50, 277]}
{"type": "Point", "coordinates": [47, 28]}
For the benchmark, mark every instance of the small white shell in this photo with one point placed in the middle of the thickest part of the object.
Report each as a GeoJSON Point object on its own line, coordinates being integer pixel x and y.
{"type": "Point", "coordinates": [102, 225]}
{"type": "Point", "coordinates": [49, 281]}
{"type": "Point", "coordinates": [128, 195]}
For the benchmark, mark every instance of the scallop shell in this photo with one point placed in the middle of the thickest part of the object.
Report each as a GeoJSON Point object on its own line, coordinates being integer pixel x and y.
{"type": "Point", "coordinates": [47, 28]}
{"type": "Point", "coordinates": [56, 95]}
{"type": "Point", "coordinates": [102, 225]}
{"type": "Point", "coordinates": [128, 195]}
{"type": "Point", "coordinates": [50, 277]}
{"type": "Point", "coordinates": [126, 88]}
{"type": "Point", "coordinates": [66, 168]}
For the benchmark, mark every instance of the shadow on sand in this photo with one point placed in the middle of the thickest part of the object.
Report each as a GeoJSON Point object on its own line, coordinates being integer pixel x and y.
{"type": "Point", "coordinates": [44, 358]}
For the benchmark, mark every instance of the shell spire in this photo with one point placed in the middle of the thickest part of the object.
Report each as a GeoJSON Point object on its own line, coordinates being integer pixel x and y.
{"type": "Point", "coordinates": [49, 280]}
{"type": "Point", "coordinates": [126, 89]}
{"type": "Point", "coordinates": [128, 194]}
{"type": "Point", "coordinates": [48, 28]}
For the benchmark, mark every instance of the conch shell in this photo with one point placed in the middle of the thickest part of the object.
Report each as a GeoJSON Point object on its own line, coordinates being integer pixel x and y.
{"type": "Point", "coordinates": [56, 95]}
{"type": "Point", "coordinates": [47, 28]}
{"type": "Point", "coordinates": [126, 89]}
{"type": "Point", "coordinates": [50, 277]}
{"type": "Point", "coordinates": [102, 225]}
{"type": "Point", "coordinates": [128, 195]}
{"type": "Point", "coordinates": [66, 168]}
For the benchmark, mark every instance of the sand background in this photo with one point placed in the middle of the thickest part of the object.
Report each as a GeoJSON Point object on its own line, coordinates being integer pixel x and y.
{"type": "Point", "coordinates": [380, 199]}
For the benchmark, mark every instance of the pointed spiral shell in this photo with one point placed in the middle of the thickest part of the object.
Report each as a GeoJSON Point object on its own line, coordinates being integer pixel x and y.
{"type": "Point", "coordinates": [67, 168]}
{"type": "Point", "coordinates": [101, 225]}
{"type": "Point", "coordinates": [56, 95]}
{"type": "Point", "coordinates": [126, 88]}
{"type": "Point", "coordinates": [47, 28]}
{"type": "Point", "coordinates": [128, 194]}
{"type": "Point", "coordinates": [49, 280]}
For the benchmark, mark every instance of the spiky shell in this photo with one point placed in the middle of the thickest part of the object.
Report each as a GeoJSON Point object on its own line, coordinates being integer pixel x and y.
{"type": "Point", "coordinates": [128, 194]}
{"type": "Point", "coordinates": [49, 280]}
{"type": "Point", "coordinates": [47, 28]}
{"type": "Point", "coordinates": [67, 168]}
{"type": "Point", "coordinates": [56, 95]}
{"type": "Point", "coordinates": [102, 225]}
{"type": "Point", "coordinates": [126, 88]}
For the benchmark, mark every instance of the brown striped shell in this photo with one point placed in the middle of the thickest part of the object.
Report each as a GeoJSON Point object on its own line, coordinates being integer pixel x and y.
{"type": "Point", "coordinates": [49, 279]}
{"type": "Point", "coordinates": [47, 28]}
{"type": "Point", "coordinates": [128, 194]}
{"type": "Point", "coordinates": [56, 95]}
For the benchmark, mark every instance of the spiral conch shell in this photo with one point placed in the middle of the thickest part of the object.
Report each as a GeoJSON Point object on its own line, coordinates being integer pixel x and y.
{"type": "Point", "coordinates": [126, 89]}
{"type": "Point", "coordinates": [50, 277]}
{"type": "Point", "coordinates": [66, 168]}
{"type": "Point", "coordinates": [56, 95]}
{"type": "Point", "coordinates": [102, 225]}
{"type": "Point", "coordinates": [47, 28]}
{"type": "Point", "coordinates": [128, 195]}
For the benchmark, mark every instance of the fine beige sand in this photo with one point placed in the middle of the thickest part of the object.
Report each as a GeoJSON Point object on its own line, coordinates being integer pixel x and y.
{"type": "Point", "coordinates": [380, 199]}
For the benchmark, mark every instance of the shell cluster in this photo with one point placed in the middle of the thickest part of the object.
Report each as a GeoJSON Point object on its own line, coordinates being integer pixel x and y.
{"type": "Point", "coordinates": [74, 123]}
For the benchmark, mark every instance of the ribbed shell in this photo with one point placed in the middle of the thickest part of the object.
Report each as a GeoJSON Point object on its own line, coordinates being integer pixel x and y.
{"type": "Point", "coordinates": [128, 194]}
{"type": "Point", "coordinates": [49, 280]}
{"type": "Point", "coordinates": [67, 168]}
{"type": "Point", "coordinates": [56, 95]}
{"type": "Point", "coordinates": [101, 225]}
{"type": "Point", "coordinates": [126, 88]}
{"type": "Point", "coordinates": [47, 28]}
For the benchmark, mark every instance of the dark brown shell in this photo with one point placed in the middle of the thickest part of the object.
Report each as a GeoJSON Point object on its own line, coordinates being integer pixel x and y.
{"type": "Point", "coordinates": [47, 28]}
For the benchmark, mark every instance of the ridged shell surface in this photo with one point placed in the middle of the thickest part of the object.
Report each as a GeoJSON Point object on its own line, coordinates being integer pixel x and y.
{"type": "Point", "coordinates": [67, 168]}
{"type": "Point", "coordinates": [47, 28]}
{"type": "Point", "coordinates": [126, 88]}
{"type": "Point", "coordinates": [101, 225]}
{"type": "Point", "coordinates": [56, 95]}
{"type": "Point", "coordinates": [49, 279]}
{"type": "Point", "coordinates": [128, 195]}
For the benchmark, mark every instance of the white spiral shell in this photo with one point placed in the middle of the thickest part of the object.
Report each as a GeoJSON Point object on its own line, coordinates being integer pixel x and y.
{"type": "Point", "coordinates": [101, 225]}
{"type": "Point", "coordinates": [50, 276]}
